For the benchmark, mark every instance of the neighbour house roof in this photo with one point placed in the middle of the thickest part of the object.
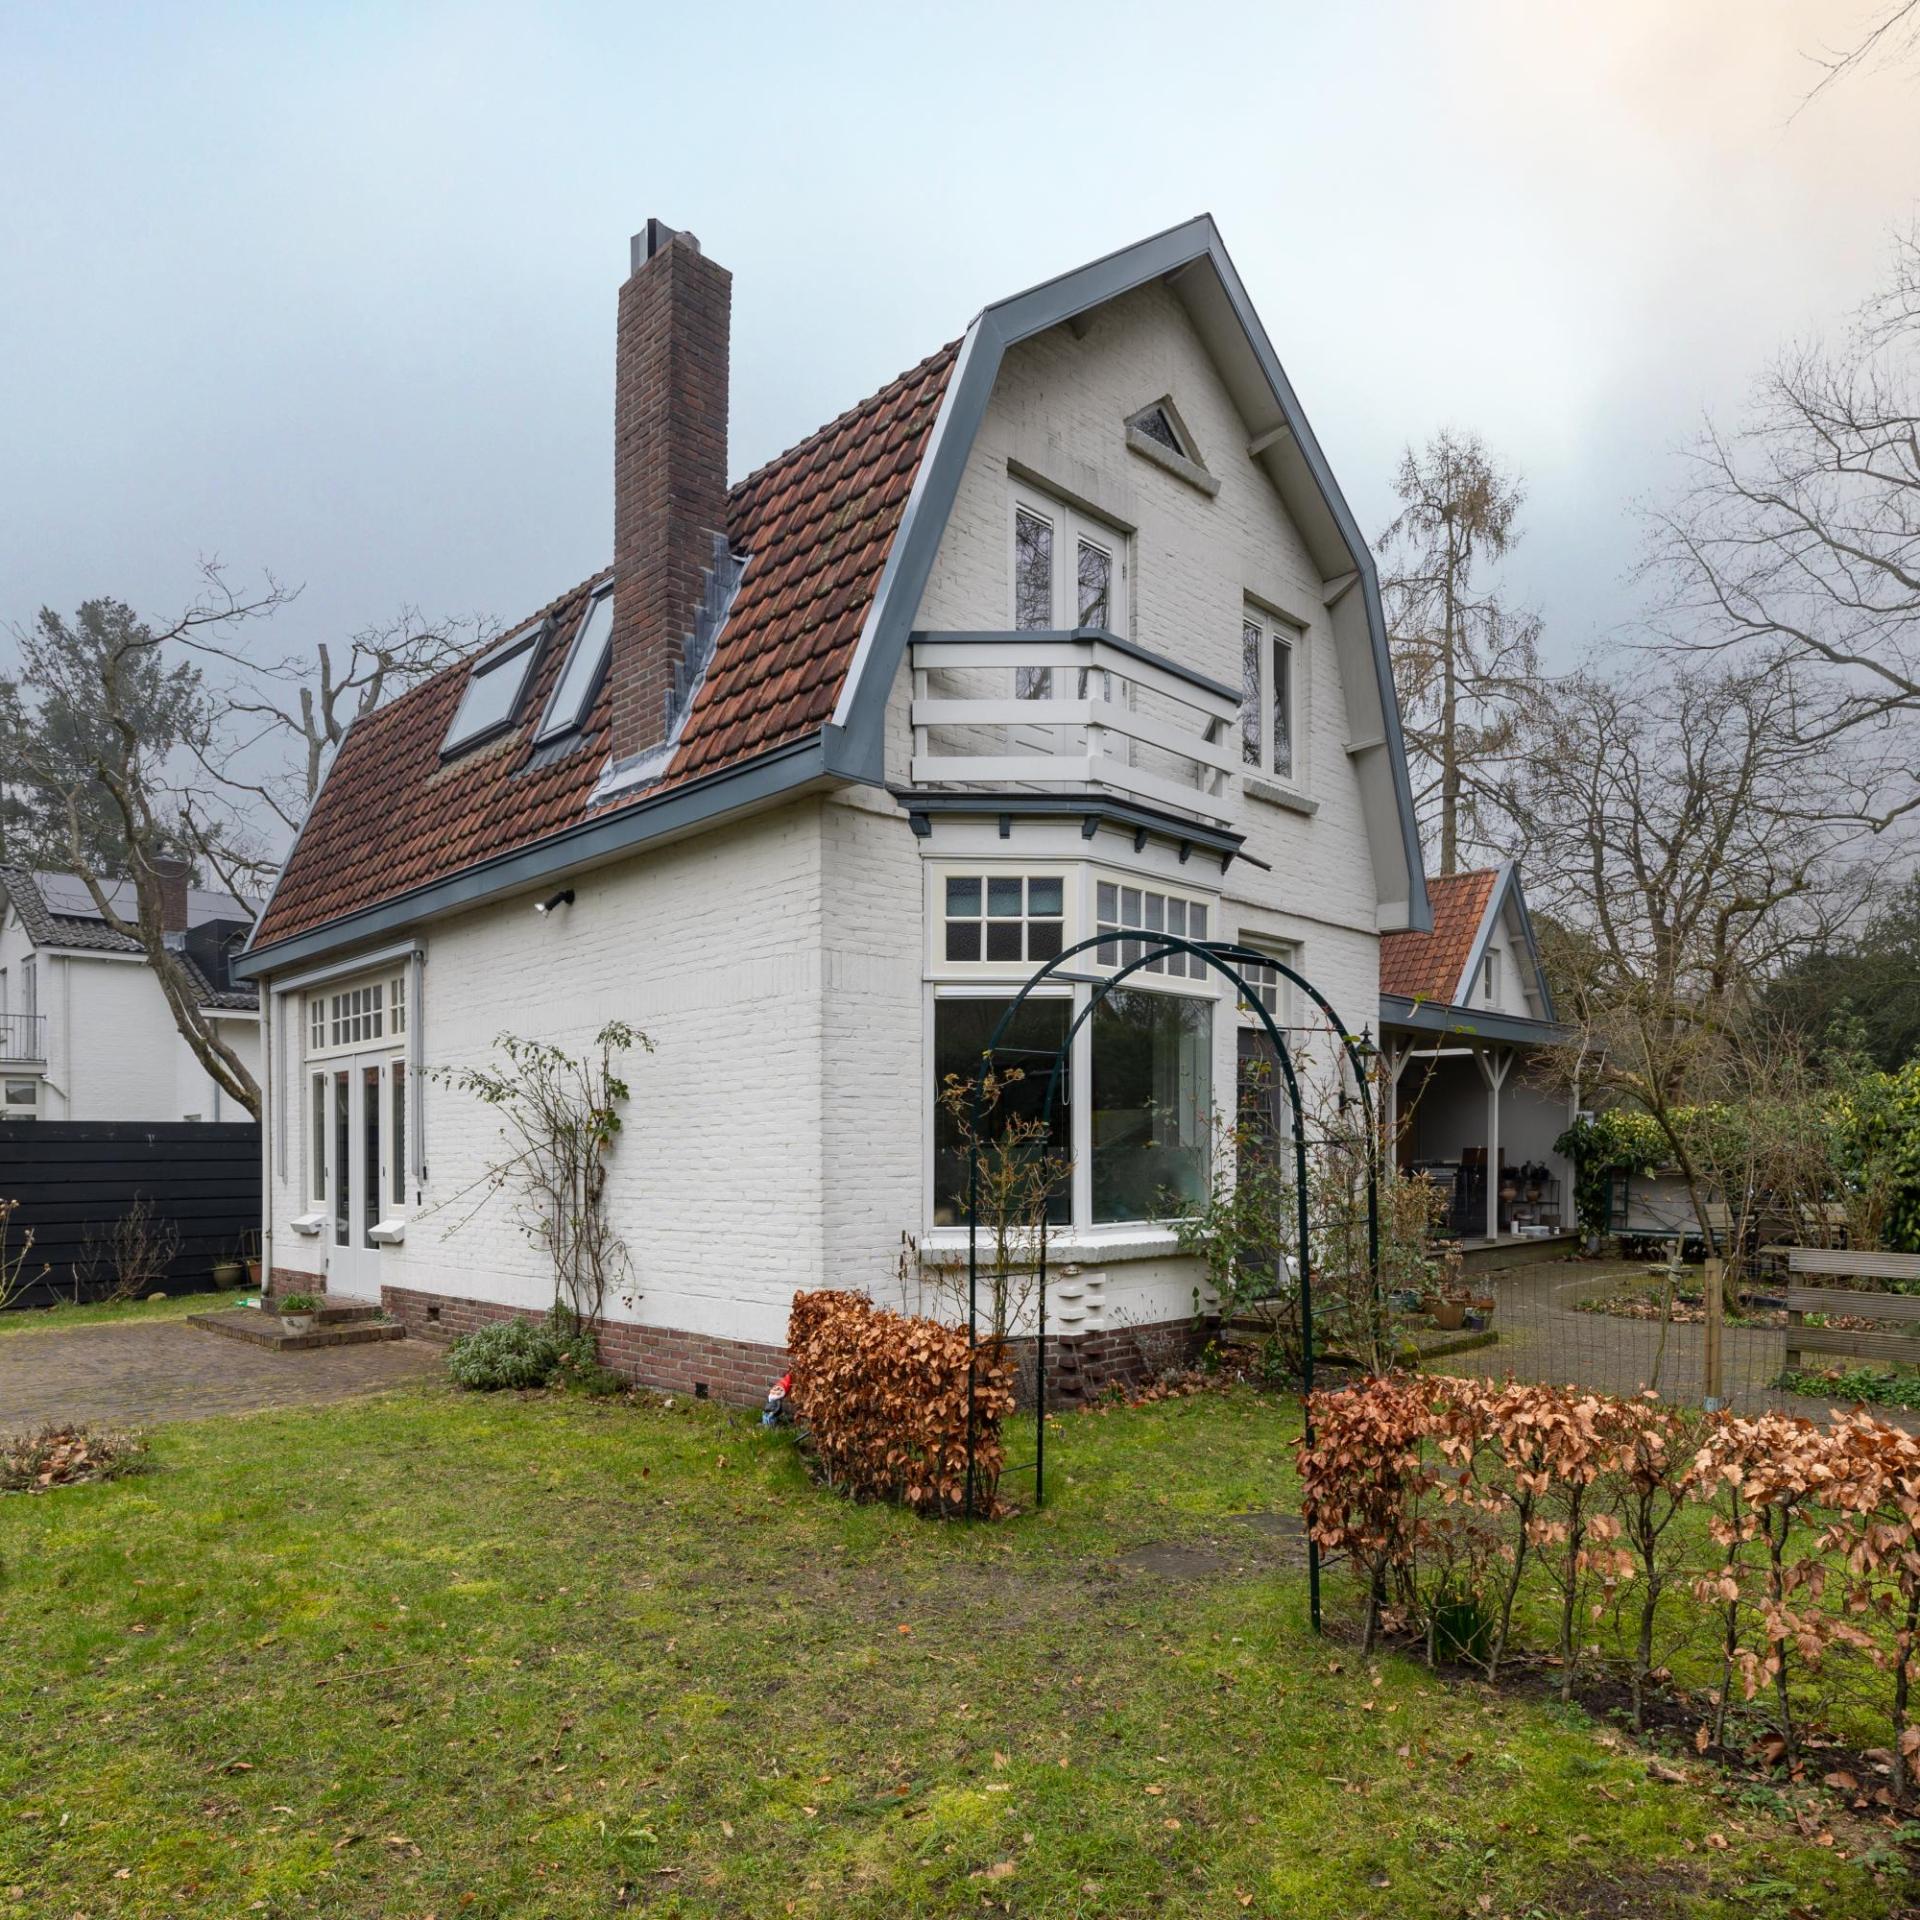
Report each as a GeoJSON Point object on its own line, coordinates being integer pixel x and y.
{"type": "Point", "coordinates": [57, 910]}
{"type": "Point", "coordinates": [816, 526]}
{"type": "Point", "coordinates": [1428, 979]}
{"type": "Point", "coordinates": [839, 536]}
{"type": "Point", "coordinates": [1429, 966]}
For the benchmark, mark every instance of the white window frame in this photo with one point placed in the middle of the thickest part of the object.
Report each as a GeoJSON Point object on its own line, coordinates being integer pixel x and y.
{"type": "Point", "coordinates": [356, 1015]}
{"type": "Point", "coordinates": [1072, 529]}
{"type": "Point", "coordinates": [30, 985]}
{"type": "Point", "coordinates": [1000, 980]}
{"type": "Point", "coordinates": [939, 872]}
{"type": "Point", "coordinates": [1490, 977]}
{"type": "Point", "coordinates": [1201, 980]}
{"type": "Point", "coordinates": [1274, 631]}
{"type": "Point", "coordinates": [28, 1109]}
{"type": "Point", "coordinates": [1285, 1006]}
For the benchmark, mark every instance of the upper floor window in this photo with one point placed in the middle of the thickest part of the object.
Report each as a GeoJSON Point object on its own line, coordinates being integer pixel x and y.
{"type": "Point", "coordinates": [1490, 976]}
{"type": "Point", "coordinates": [1118, 907]}
{"type": "Point", "coordinates": [1007, 917]}
{"type": "Point", "coordinates": [29, 985]}
{"type": "Point", "coordinates": [495, 683]}
{"type": "Point", "coordinates": [1068, 571]}
{"type": "Point", "coordinates": [1269, 695]}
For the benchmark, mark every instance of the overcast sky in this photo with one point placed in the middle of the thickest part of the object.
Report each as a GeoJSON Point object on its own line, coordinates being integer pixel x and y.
{"type": "Point", "coordinates": [329, 289]}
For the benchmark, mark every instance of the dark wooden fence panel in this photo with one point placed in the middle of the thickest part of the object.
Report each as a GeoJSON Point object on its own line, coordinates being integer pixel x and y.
{"type": "Point", "coordinates": [75, 1178]}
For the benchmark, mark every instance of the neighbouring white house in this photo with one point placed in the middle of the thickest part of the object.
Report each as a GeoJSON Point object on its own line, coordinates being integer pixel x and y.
{"type": "Point", "coordinates": [1066, 630]}
{"type": "Point", "coordinates": [85, 1030]}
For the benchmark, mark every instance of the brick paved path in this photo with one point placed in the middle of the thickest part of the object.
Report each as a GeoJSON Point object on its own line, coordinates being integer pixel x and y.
{"type": "Point", "coordinates": [136, 1373]}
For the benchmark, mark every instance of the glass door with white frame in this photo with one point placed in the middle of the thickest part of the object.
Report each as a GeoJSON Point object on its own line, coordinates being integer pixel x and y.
{"type": "Point", "coordinates": [358, 1116]}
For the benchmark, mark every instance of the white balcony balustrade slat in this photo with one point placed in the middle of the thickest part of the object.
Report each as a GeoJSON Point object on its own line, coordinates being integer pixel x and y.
{"type": "Point", "coordinates": [1094, 742]}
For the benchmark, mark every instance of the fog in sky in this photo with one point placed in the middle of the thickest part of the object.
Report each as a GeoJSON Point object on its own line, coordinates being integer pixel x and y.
{"type": "Point", "coordinates": [329, 289]}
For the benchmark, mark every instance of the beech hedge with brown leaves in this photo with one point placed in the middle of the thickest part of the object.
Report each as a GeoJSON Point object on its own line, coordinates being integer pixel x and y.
{"type": "Point", "coordinates": [1786, 1551]}
{"type": "Point", "coordinates": [884, 1398]}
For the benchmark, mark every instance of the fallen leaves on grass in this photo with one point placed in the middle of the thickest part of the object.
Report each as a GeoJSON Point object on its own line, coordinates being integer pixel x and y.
{"type": "Point", "coordinates": [65, 1456]}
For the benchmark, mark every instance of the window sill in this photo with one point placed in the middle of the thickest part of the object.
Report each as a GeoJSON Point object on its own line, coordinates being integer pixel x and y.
{"type": "Point", "coordinates": [307, 1223]}
{"type": "Point", "coordinates": [946, 1247]}
{"type": "Point", "coordinates": [1176, 464]}
{"type": "Point", "coordinates": [1277, 796]}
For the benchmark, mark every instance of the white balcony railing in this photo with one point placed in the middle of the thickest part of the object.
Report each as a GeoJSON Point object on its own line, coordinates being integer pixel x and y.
{"type": "Point", "coordinates": [1081, 710]}
{"type": "Point", "coordinates": [23, 1037]}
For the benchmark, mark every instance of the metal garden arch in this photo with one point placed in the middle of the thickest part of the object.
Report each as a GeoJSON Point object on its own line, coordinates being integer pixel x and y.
{"type": "Point", "coordinates": [1225, 958]}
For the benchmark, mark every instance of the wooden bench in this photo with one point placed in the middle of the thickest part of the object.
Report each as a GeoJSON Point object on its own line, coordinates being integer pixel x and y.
{"type": "Point", "coordinates": [1810, 1289]}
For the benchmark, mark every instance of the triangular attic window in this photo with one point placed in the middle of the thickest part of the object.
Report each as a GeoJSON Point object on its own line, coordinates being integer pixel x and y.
{"type": "Point", "coordinates": [1155, 423]}
{"type": "Point", "coordinates": [1158, 434]}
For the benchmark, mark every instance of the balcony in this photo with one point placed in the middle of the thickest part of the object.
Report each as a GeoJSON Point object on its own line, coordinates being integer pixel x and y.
{"type": "Point", "coordinates": [23, 1039]}
{"type": "Point", "coordinates": [1080, 711]}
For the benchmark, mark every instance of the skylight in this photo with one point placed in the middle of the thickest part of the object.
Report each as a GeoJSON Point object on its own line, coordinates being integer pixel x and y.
{"type": "Point", "coordinates": [579, 679]}
{"type": "Point", "coordinates": [494, 686]}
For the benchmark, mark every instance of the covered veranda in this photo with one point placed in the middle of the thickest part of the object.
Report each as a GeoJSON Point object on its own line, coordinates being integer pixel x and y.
{"type": "Point", "coordinates": [1469, 1102]}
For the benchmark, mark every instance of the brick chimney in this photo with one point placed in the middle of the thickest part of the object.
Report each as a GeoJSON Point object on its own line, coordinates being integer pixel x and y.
{"type": "Point", "coordinates": [669, 469]}
{"type": "Point", "coordinates": [170, 875]}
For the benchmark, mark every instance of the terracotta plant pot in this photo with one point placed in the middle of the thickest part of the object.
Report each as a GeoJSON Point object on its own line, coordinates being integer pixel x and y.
{"type": "Point", "coordinates": [253, 1273]}
{"type": "Point", "coordinates": [1449, 1315]}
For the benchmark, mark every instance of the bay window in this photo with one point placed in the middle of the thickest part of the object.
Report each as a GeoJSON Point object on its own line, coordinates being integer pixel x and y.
{"type": "Point", "coordinates": [961, 1030]}
{"type": "Point", "coordinates": [1152, 1103]}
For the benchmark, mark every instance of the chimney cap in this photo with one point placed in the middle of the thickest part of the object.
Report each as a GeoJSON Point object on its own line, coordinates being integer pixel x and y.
{"type": "Point", "coordinates": [655, 235]}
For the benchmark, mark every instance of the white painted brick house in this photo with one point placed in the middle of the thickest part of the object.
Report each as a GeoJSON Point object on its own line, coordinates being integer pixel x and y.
{"type": "Point", "coordinates": [1067, 628]}
{"type": "Point", "coordinates": [85, 1030]}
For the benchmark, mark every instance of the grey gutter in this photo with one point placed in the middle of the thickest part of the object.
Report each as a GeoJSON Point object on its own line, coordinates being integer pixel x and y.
{"type": "Point", "coordinates": [1469, 1023]}
{"type": "Point", "coordinates": [862, 707]}
{"type": "Point", "coordinates": [1096, 809]}
{"type": "Point", "coordinates": [1192, 676]}
{"type": "Point", "coordinates": [769, 777]}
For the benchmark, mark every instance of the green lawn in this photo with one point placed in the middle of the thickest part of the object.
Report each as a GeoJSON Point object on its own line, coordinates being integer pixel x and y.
{"type": "Point", "coordinates": [175, 1307]}
{"type": "Point", "coordinates": [439, 1655]}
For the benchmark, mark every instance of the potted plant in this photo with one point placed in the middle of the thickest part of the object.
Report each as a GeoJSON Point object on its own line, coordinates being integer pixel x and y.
{"type": "Point", "coordinates": [296, 1311]}
{"type": "Point", "coordinates": [1449, 1313]}
{"type": "Point", "coordinates": [253, 1260]}
{"type": "Point", "coordinates": [227, 1274]}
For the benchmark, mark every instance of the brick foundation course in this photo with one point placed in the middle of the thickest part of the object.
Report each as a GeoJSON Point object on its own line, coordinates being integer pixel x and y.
{"type": "Point", "coordinates": [737, 1373]}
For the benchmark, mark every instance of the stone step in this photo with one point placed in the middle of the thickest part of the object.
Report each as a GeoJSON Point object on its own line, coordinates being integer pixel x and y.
{"type": "Point", "coordinates": [263, 1329]}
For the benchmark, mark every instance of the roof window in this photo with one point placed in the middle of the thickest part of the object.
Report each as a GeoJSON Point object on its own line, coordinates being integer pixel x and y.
{"type": "Point", "coordinates": [579, 679]}
{"type": "Point", "coordinates": [495, 683]}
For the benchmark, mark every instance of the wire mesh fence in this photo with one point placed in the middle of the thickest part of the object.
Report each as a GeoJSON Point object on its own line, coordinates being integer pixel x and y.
{"type": "Point", "coordinates": [1751, 1334]}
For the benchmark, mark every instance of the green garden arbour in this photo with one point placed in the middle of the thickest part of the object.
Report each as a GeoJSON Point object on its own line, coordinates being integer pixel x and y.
{"type": "Point", "coordinates": [1225, 958]}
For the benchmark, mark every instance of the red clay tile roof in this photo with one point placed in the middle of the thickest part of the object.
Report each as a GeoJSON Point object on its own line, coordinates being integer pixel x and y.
{"type": "Point", "coordinates": [816, 525]}
{"type": "Point", "coordinates": [1426, 966]}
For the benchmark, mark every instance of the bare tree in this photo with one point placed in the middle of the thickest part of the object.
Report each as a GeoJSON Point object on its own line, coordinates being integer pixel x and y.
{"type": "Point", "coordinates": [1798, 539]}
{"type": "Point", "coordinates": [1463, 659]}
{"type": "Point", "coordinates": [1892, 36]}
{"type": "Point", "coordinates": [1687, 833]}
{"type": "Point", "coordinates": [272, 725]}
{"type": "Point", "coordinates": [116, 703]}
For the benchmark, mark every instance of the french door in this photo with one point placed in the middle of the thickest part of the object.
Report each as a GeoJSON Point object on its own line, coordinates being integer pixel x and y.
{"type": "Point", "coordinates": [360, 1105]}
